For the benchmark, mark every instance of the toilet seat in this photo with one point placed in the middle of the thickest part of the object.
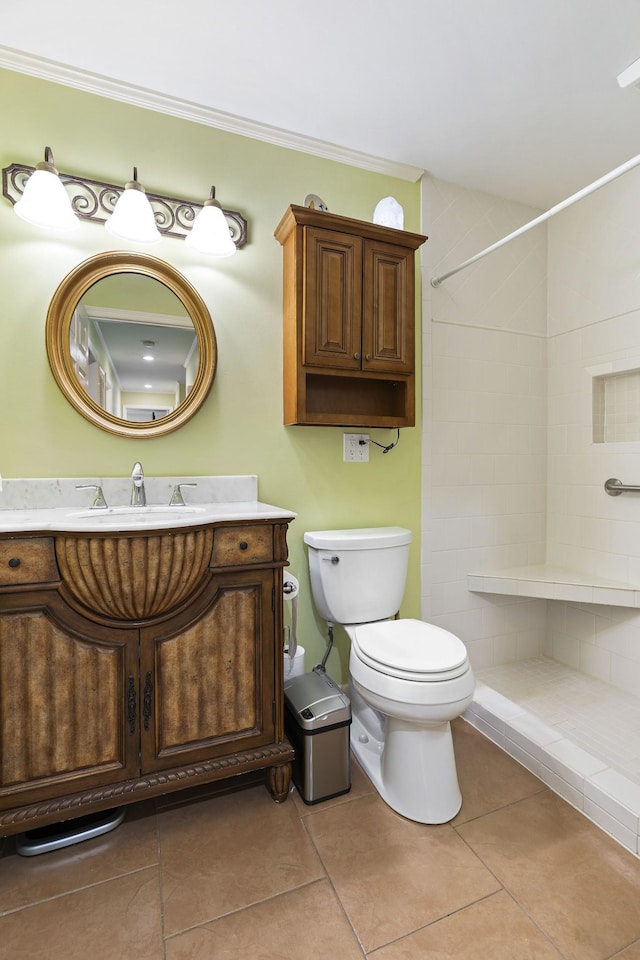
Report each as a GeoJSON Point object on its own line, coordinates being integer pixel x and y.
{"type": "Point", "coordinates": [409, 650]}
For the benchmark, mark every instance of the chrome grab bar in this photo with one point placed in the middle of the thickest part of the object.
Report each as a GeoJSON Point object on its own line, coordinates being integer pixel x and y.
{"type": "Point", "coordinates": [615, 487]}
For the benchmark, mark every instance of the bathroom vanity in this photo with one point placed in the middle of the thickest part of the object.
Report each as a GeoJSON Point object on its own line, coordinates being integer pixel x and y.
{"type": "Point", "coordinates": [140, 653]}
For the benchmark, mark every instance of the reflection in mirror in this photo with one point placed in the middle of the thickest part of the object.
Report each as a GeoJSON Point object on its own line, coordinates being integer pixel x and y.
{"type": "Point", "coordinates": [131, 344]}
{"type": "Point", "coordinates": [134, 347]}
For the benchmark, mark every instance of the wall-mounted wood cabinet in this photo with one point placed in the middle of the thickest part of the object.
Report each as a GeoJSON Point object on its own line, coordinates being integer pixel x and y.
{"type": "Point", "coordinates": [349, 321]}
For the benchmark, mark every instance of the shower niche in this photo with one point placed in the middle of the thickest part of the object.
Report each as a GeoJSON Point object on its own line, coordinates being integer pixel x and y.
{"type": "Point", "coordinates": [616, 402]}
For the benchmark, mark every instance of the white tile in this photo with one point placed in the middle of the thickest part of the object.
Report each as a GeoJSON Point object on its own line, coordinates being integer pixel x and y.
{"type": "Point", "coordinates": [522, 755]}
{"type": "Point", "coordinates": [595, 662]}
{"type": "Point", "coordinates": [561, 786]}
{"type": "Point", "coordinates": [501, 708]}
{"type": "Point", "coordinates": [619, 831]}
{"type": "Point", "coordinates": [617, 795]}
{"type": "Point", "coordinates": [531, 734]}
{"type": "Point", "coordinates": [572, 763]}
{"type": "Point", "coordinates": [496, 736]}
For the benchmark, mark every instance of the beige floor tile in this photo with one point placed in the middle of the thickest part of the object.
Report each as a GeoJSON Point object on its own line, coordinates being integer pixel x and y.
{"type": "Point", "coordinates": [578, 884]}
{"type": "Point", "coordinates": [489, 778]}
{"type": "Point", "coordinates": [493, 929]}
{"type": "Point", "coordinates": [306, 923]}
{"type": "Point", "coordinates": [111, 921]}
{"type": "Point", "coordinates": [219, 855]}
{"type": "Point", "coordinates": [131, 846]}
{"type": "Point", "coordinates": [393, 875]}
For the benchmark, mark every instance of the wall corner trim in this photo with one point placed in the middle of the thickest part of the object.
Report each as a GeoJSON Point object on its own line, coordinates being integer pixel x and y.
{"type": "Point", "coordinates": [95, 83]}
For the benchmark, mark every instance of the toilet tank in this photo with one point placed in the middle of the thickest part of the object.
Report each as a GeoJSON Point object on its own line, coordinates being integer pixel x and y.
{"type": "Point", "coordinates": [358, 576]}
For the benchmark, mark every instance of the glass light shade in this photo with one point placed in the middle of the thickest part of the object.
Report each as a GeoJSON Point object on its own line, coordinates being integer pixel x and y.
{"type": "Point", "coordinates": [133, 218]}
{"type": "Point", "coordinates": [210, 232]}
{"type": "Point", "coordinates": [46, 203]}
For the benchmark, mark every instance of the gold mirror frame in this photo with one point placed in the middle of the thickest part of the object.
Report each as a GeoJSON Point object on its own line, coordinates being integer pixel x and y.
{"type": "Point", "coordinates": [58, 329]}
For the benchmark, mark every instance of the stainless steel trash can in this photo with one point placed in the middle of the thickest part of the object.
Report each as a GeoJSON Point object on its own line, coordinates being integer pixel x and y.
{"type": "Point", "coordinates": [317, 721]}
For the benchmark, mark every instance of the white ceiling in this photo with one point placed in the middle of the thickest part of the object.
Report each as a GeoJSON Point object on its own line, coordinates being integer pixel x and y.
{"type": "Point", "coordinates": [514, 97]}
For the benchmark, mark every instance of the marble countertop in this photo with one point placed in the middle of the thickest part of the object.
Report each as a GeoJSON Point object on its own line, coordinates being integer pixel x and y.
{"type": "Point", "coordinates": [57, 505]}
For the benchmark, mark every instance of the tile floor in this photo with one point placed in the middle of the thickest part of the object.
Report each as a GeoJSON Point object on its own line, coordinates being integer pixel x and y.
{"type": "Point", "coordinates": [517, 875]}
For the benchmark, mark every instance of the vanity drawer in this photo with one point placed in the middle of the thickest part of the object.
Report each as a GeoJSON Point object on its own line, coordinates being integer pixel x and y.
{"type": "Point", "coordinates": [27, 561]}
{"type": "Point", "coordinates": [242, 544]}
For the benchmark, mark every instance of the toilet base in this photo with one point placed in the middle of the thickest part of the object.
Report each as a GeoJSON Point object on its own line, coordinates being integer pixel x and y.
{"type": "Point", "coordinates": [412, 767]}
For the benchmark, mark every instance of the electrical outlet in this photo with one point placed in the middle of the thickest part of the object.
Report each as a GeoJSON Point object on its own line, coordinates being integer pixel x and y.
{"type": "Point", "coordinates": [356, 447]}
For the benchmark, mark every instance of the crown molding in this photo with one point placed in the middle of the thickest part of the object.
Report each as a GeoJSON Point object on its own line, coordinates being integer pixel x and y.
{"type": "Point", "coordinates": [152, 100]}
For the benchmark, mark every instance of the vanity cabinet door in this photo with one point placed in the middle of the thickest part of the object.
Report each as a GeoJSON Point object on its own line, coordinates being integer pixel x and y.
{"type": "Point", "coordinates": [66, 689]}
{"type": "Point", "coordinates": [209, 682]}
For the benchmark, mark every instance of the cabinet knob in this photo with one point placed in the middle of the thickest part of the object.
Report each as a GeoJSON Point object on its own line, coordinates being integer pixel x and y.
{"type": "Point", "coordinates": [243, 545]}
{"type": "Point", "coordinates": [356, 356]}
{"type": "Point", "coordinates": [14, 562]}
{"type": "Point", "coordinates": [368, 356]}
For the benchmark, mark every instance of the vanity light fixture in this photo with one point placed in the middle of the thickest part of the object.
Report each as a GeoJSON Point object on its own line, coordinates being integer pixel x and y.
{"type": "Point", "coordinates": [97, 200]}
{"type": "Point", "coordinates": [45, 202]}
{"type": "Point", "coordinates": [210, 232]}
{"type": "Point", "coordinates": [132, 217]}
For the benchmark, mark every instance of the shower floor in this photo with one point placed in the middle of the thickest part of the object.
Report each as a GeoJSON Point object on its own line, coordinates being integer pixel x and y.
{"type": "Point", "coordinates": [579, 735]}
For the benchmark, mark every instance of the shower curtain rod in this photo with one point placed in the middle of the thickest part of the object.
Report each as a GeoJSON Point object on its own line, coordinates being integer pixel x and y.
{"type": "Point", "coordinates": [608, 177]}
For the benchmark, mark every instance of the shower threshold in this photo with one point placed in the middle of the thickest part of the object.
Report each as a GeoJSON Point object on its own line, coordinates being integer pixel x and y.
{"type": "Point", "coordinates": [577, 734]}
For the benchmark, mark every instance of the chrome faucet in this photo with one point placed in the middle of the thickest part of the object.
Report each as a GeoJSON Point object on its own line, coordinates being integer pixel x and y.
{"type": "Point", "coordinates": [138, 495]}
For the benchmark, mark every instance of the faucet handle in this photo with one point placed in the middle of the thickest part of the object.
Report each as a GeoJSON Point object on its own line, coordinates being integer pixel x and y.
{"type": "Point", "coordinates": [177, 500]}
{"type": "Point", "coordinates": [99, 502]}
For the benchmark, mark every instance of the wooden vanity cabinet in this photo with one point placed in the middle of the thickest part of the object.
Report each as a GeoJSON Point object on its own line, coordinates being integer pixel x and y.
{"type": "Point", "coordinates": [98, 711]}
{"type": "Point", "coordinates": [188, 714]}
{"type": "Point", "coordinates": [64, 683]}
{"type": "Point", "coordinates": [349, 321]}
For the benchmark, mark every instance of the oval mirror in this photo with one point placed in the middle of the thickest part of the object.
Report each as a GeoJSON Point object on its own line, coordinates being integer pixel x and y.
{"type": "Point", "coordinates": [131, 344]}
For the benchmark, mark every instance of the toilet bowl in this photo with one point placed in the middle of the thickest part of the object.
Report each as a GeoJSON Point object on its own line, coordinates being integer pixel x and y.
{"type": "Point", "coordinates": [403, 702]}
{"type": "Point", "coordinates": [407, 679]}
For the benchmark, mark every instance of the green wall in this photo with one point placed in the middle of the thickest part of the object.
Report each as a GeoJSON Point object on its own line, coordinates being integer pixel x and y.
{"type": "Point", "coordinates": [239, 430]}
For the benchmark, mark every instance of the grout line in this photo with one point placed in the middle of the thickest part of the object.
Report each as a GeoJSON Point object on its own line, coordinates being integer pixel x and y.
{"type": "Point", "coordinates": [432, 923]}
{"type": "Point", "coordinates": [247, 906]}
{"type": "Point", "coordinates": [75, 890]}
{"type": "Point", "coordinates": [332, 885]}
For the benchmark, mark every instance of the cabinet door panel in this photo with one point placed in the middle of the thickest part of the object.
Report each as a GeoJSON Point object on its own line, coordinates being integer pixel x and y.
{"type": "Point", "coordinates": [388, 315]}
{"type": "Point", "coordinates": [333, 294]}
{"type": "Point", "coordinates": [62, 709]}
{"type": "Point", "coordinates": [213, 680]}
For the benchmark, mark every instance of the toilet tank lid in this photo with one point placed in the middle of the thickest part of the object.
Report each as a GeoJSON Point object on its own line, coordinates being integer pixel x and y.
{"type": "Point", "coordinates": [361, 538]}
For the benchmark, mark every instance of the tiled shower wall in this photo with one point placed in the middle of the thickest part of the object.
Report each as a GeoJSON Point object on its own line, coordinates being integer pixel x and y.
{"type": "Point", "coordinates": [513, 338]}
{"type": "Point", "coordinates": [594, 330]}
{"type": "Point", "coordinates": [484, 450]}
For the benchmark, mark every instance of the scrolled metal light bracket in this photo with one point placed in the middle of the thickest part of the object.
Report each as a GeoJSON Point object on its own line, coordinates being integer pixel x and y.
{"type": "Point", "coordinates": [95, 200]}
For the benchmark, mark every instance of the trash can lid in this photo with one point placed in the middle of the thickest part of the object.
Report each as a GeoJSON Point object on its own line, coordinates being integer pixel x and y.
{"type": "Point", "coordinates": [316, 701]}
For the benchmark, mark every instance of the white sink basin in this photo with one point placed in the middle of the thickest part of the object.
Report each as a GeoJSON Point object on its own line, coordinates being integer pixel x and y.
{"type": "Point", "coordinates": [136, 518]}
{"type": "Point", "coordinates": [154, 511]}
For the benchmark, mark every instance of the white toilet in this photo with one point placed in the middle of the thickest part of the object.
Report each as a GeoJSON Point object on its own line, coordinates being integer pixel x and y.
{"type": "Point", "coordinates": [408, 678]}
